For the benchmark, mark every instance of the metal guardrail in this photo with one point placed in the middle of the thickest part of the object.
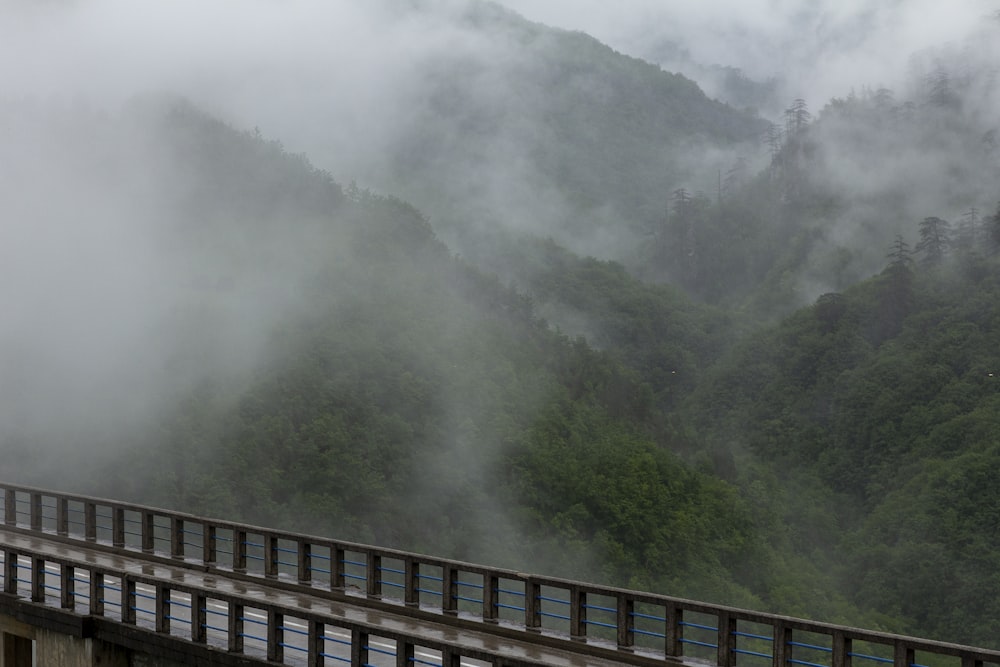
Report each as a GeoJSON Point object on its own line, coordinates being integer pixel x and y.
{"type": "Point", "coordinates": [229, 622]}
{"type": "Point", "coordinates": [632, 621]}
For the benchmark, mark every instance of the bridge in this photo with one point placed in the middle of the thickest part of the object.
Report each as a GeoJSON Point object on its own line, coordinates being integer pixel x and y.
{"type": "Point", "coordinates": [89, 581]}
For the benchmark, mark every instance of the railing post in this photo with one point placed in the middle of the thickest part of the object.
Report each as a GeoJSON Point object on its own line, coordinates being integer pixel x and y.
{"type": "Point", "coordinates": [315, 646]}
{"type": "Point", "coordinates": [118, 527]}
{"type": "Point", "coordinates": [35, 510]}
{"type": "Point", "coordinates": [67, 587]}
{"type": "Point", "coordinates": [275, 635]}
{"type": "Point", "coordinates": [209, 553]}
{"type": "Point", "coordinates": [411, 579]}
{"type": "Point", "coordinates": [270, 555]}
{"type": "Point", "coordinates": [239, 549]}
{"type": "Point", "coordinates": [626, 622]}
{"type": "Point", "coordinates": [373, 574]}
{"type": "Point", "coordinates": [147, 528]}
{"type": "Point", "coordinates": [235, 627]}
{"type": "Point", "coordinates": [841, 650]}
{"type": "Point", "coordinates": [405, 653]}
{"type": "Point", "coordinates": [162, 609]}
{"type": "Point", "coordinates": [971, 661]}
{"type": "Point", "coordinates": [304, 553]}
{"type": "Point", "coordinates": [62, 516]}
{"type": "Point", "coordinates": [577, 614]}
{"type": "Point", "coordinates": [199, 618]}
{"type": "Point", "coordinates": [90, 521]}
{"type": "Point", "coordinates": [491, 583]}
{"type": "Point", "coordinates": [176, 537]}
{"type": "Point", "coordinates": [674, 631]}
{"type": "Point", "coordinates": [10, 507]}
{"type": "Point", "coordinates": [37, 579]}
{"type": "Point", "coordinates": [532, 608]}
{"type": "Point", "coordinates": [450, 658]}
{"type": "Point", "coordinates": [359, 648]}
{"type": "Point", "coordinates": [782, 647]}
{"type": "Point", "coordinates": [129, 601]}
{"type": "Point", "coordinates": [449, 589]}
{"type": "Point", "coordinates": [727, 640]}
{"type": "Point", "coordinates": [903, 655]}
{"type": "Point", "coordinates": [9, 572]}
{"type": "Point", "coordinates": [96, 593]}
{"type": "Point", "coordinates": [337, 568]}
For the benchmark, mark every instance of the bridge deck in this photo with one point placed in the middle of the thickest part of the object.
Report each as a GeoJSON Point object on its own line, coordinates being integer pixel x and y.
{"type": "Point", "coordinates": [133, 574]}
{"type": "Point", "coordinates": [377, 621]}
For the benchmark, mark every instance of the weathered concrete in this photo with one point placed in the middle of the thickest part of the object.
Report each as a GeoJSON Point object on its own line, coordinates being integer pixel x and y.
{"type": "Point", "coordinates": [52, 648]}
{"type": "Point", "coordinates": [16, 643]}
{"type": "Point", "coordinates": [16, 651]}
{"type": "Point", "coordinates": [59, 650]}
{"type": "Point", "coordinates": [146, 660]}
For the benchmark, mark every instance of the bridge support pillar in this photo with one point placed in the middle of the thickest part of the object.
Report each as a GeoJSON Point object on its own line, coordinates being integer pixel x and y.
{"type": "Point", "coordinates": [22, 645]}
{"type": "Point", "coordinates": [16, 651]}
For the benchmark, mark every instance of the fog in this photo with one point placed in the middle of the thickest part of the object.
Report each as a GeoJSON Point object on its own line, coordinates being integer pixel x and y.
{"type": "Point", "coordinates": [152, 277]}
{"type": "Point", "coordinates": [345, 82]}
{"type": "Point", "coordinates": [119, 299]}
{"type": "Point", "coordinates": [279, 61]}
{"type": "Point", "coordinates": [354, 85]}
{"type": "Point", "coordinates": [817, 50]}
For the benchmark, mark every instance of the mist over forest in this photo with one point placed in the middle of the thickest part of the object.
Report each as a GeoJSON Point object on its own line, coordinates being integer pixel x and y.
{"type": "Point", "coordinates": [693, 299]}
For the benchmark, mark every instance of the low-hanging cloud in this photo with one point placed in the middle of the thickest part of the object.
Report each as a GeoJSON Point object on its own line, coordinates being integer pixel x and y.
{"type": "Point", "coordinates": [819, 49]}
{"type": "Point", "coordinates": [344, 81]}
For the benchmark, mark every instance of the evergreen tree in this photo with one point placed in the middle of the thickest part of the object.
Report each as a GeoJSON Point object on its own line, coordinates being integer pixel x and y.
{"type": "Point", "coordinates": [940, 91]}
{"type": "Point", "coordinates": [969, 234]}
{"type": "Point", "coordinates": [935, 239]}
{"type": "Point", "coordinates": [883, 99]}
{"type": "Point", "coordinates": [774, 137]}
{"type": "Point", "coordinates": [681, 202]}
{"type": "Point", "coordinates": [797, 117]}
{"type": "Point", "coordinates": [735, 178]}
{"type": "Point", "coordinates": [896, 295]}
{"type": "Point", "coordinates": [993, 228]}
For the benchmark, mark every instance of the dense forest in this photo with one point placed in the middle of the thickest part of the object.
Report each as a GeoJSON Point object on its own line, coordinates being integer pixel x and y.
{"type": "Point", "coordinates": [779, 393]}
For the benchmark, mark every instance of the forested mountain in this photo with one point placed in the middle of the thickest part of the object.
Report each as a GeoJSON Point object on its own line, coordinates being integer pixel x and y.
{"type": "Point", "coordinates": [522, 127]}
{"type": "Point", "coordinates": [321, 361]}
{"type": "Point", "coordinates": [874, 414]}
{"type": "Point", "coordinates": [838, 186]}
{"type": "Point", "coordinates": [552, 346]}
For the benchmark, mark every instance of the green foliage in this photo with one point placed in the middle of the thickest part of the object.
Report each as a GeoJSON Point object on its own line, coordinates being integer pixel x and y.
{"type": "Point", "coordinates": [651, 521]}
{"type": "Point", "coordinates": [934, 545]}
{"type": "Point", "coordinates": [555, 129]}
{"type": "Point", "coordinates": [840, 464]}
{"type": "Point", "coordinates": [404, 397]}
{"type": "Point", "coordinates": [887, 435]}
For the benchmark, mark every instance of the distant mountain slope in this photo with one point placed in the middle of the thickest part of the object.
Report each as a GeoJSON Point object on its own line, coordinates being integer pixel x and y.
{"type": "Point", "coordinates": [229, 331]}
{"type": "Point", "coordinates": [532, 128]}
{"type": "Point", "coordinates": [874, 415]}
{"type": "Point", "coordinates": [841, 183]}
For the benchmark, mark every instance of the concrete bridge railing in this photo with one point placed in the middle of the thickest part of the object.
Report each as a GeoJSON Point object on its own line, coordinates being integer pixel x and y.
{"type": "Point", "coordinates": [632, 623]}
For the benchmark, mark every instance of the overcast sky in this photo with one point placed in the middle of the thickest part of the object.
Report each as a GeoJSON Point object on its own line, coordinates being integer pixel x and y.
{"type": "Point", "coordinates": [822, 47]}
{"type": "Point", "coordinates": [232, 52]}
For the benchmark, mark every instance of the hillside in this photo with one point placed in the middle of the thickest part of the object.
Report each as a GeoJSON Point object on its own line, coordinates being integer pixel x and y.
{"type": "Point", "coordinates": [524, 127]}
{"type": "Point", "coordinates": [839, 183]}
{"type": "Point", "coordinates": [533, 336]}
{"type": "Point", "coordinates": [870, 418]}
{"type": "Point", "coordinates": [311, 356]}
{"type": "Point", "coordinates": [263, 343]}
